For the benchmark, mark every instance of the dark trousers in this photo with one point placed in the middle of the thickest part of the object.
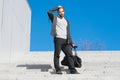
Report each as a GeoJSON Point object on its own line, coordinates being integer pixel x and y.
{"type": "Point", "coordinates": [60, 44]}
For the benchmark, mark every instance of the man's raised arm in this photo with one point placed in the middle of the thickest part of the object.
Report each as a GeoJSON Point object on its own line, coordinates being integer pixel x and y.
{"type": "Point", "coordinates": [50, 12]}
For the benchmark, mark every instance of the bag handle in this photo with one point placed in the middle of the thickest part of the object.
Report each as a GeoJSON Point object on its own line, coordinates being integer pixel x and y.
{"type": "Point", "coordinates": [75, 50]}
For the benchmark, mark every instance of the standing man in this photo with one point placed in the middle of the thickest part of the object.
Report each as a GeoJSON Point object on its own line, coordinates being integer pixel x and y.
{"type": "Point", "coordinates": [62, 40]}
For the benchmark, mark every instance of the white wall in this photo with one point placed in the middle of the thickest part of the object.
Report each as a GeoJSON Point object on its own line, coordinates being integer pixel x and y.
{"type": "Point", "coordinates": [15, 29]}
{"type": "Point", "coordinates": [1, 7]}
{"type": "Point", "coordinates": [0, 21]}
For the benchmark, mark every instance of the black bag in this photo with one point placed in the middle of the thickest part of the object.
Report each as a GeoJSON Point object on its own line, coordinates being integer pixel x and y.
{"type": "Point", "coordinates": [77, 60]}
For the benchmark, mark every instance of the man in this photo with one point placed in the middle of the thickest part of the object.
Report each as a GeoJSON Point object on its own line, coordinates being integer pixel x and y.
{"type": "Point", "coordinates": [62, 40]}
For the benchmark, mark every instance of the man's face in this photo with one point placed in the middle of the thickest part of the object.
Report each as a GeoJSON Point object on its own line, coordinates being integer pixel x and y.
{"type": "Point", "coordinates": [61, 12]}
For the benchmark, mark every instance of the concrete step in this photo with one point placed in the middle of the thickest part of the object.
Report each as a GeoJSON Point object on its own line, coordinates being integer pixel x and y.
{"type": "Point", "coordinates": [39, 66]}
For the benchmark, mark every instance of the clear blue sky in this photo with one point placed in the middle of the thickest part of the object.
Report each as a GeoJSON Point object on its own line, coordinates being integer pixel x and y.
{"type": "Point", "coordinates": [95, 24]}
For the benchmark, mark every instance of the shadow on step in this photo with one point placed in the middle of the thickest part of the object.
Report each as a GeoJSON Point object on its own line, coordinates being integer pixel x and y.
{"type": "Point", "coordinates": [43, 67]}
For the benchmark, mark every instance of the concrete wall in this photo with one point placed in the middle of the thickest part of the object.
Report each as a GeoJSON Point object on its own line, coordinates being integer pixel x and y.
{"type": "Point", "coordinates": [1, 8]}
{"type": "Point", "coordinates": [15, 20]}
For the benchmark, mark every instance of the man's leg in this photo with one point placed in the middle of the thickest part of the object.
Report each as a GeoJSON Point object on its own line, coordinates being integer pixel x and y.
{"type": "Point", "coordinates": [68, 52]}
{"type": "Point", "coordinates": [57, 50]}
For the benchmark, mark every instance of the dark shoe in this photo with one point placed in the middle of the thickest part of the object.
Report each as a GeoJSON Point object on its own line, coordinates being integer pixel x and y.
{"type": "Point", "coordinates": [58, 72]}
{"type": "Point", "coordinates": [74, 72]}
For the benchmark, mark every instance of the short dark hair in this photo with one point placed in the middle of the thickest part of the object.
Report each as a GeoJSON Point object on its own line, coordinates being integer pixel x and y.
{"type": "Point", "coordinates": [60, 8]}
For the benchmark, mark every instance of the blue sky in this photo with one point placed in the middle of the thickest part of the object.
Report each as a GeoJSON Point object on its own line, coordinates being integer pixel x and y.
{"type": "Point", "coordinates": [95, 24]}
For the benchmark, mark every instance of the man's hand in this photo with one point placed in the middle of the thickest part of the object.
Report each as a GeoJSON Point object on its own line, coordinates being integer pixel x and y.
{"type": "Point", "coordinates": [73, 45]}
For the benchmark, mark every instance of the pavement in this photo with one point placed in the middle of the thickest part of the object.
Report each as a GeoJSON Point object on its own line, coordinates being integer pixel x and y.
{"type": "Point", "coordinates": [96, 65]}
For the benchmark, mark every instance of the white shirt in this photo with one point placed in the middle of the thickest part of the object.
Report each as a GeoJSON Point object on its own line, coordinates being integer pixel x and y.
{"type": "Point", "coordinates": [61, 28]}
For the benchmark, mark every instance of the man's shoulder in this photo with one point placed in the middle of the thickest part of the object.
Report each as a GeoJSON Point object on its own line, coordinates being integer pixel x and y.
{"type": "Point", "coordinates": [67, 20]}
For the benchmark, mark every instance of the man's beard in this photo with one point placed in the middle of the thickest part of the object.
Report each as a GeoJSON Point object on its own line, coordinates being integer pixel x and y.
{"type": "Point", "coordinates": [61, 16]}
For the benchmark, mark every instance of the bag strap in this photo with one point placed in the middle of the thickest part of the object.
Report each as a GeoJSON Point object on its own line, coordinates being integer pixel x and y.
{"type": "Point", "coordinates": [75, 50]}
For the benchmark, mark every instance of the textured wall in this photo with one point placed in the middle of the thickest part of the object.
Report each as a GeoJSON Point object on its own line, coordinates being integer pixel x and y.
{"type": "Point", "coordinates": [15, 16]}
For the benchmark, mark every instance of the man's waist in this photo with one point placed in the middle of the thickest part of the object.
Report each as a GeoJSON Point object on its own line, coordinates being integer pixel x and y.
{"type": "Point", "coordinates": [62, 37]}
{"type": "Point", "coordinates": [59, 38]}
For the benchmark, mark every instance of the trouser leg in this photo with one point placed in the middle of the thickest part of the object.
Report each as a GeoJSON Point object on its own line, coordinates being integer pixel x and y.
{"type": "Point", "coordinates": [57, 50]}
{"type": "Point", "coordinates": [68, 52]}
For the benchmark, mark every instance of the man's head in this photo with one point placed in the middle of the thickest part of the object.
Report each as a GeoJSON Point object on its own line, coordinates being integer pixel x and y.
{"type": "Point", "coordinates": [60, 11]}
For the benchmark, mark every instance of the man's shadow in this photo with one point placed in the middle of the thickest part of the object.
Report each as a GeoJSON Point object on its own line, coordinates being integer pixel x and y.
{"type": "Point", "coordinates": [43, 67]}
